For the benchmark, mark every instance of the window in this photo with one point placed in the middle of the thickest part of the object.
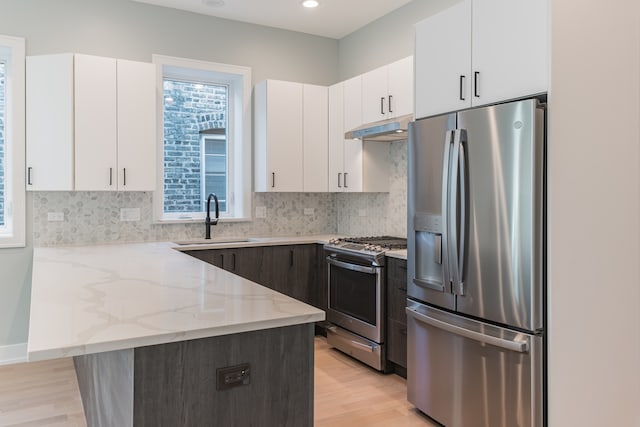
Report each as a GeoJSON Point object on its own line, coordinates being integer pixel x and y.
{"type": "Point", "coordinates": [12, 137]}
{"type": "Point", "coordinates": [206, 139]}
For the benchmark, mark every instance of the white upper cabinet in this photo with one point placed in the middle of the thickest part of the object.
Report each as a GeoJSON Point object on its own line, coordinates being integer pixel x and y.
{"type": "Point", "coordinates": [96, 132]}
{"type": "Point", "coordinates": [509, 49]}
{"type": "Point", "coordinates": [315, 130]}
{"type": "Point", "coordinates": [49, 111]}
{"type": "Point", "coordinates": [278, 136]}
{"type": "Point", "coordinates": [91, 124]}
{"type": "Point", "coordinates": [336, 137]}
{"type": "Point", "coordinates": [480, 52]}
{"type": "Point", "coordinates": [443, 61]}
{"type": "Point", "coordinates": [352, 107]}
{"type": "Point", "coordinates": [354, 166]}
{"type": "Point", "coordinates": [136, 125]}
{"type": "Point", "coordinates": [387, 92]}
{"type": "Point", "coordinates": [291, 137]}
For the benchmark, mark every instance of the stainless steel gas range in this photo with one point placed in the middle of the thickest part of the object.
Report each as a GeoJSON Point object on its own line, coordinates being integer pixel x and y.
{"type": "Point", "coordinates": [356, 296]}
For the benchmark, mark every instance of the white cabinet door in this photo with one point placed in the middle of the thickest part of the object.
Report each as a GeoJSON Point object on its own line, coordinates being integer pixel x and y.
{"type": "Point", "coordinates": [336, 137]}
{"type": "Point", "coordinates": [443, 61]}
{"type": "Point", "coordinates": [375, 95]}
{"type": "Point", "coordinates": [49, 111]}
{"type": "Point", "coordinates": [352, 103]}
{"type": "Point", "coordinates": [315, 138]}
{"type": "Point", "coordinates": [278, 136]}
{"type": "Point", "coordinates": [136, 112]}
{"type": "Point", "coordinates": [509, 49]}
{"type": "Point", "coordinates": [95, 123]}
{"type": "Point", "coordinates": [352, 176]}
{"type": "Point", "coordinates": [400, 83]}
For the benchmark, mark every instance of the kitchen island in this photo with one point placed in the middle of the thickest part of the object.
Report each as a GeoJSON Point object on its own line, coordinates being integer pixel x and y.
{"type": "Point", "coordinates": [161, 338]}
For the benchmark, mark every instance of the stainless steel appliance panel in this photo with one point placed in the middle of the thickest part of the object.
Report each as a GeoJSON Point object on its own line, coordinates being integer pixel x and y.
{"type": "Point", "coordinates": [428, 176]}
{"type": "Point", "coordinates": [503, 158]}
{"type": "Point", "coordinates": [466, 373]}
{"type": "Point", "coordinates": [367, 351]}
{"type": "Point", "coordinates": [356, 298]}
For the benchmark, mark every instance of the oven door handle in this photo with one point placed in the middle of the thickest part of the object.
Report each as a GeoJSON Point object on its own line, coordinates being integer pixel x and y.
{"type": "Point", "coordinates": [353, 267]}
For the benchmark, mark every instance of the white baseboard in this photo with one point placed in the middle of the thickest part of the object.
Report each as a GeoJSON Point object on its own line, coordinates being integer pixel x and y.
{"type": "Point", "coordinates": [14, 353]}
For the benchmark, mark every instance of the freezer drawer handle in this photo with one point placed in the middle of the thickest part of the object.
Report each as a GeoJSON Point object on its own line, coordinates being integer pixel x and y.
{"type": "Point", "coordinates": [437, 286]}
{"type": "Point", "coordinates": [518, 346]}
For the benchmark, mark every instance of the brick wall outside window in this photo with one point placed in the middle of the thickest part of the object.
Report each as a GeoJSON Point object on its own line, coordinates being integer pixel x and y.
{"type": "Point", "coordinates": [189, 108]}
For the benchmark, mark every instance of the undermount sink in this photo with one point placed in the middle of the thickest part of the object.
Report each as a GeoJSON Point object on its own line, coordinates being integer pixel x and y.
{"type": "Point", "coordinates": [214, 241]}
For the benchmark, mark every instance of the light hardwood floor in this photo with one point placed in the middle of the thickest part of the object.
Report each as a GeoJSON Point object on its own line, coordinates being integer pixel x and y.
{"type": "Point", "coordinates": [347, 394]}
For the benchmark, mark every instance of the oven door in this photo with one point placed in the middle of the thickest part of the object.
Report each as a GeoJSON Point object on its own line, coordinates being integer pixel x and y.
{"type": "Point", "coordinates": [356, 298]}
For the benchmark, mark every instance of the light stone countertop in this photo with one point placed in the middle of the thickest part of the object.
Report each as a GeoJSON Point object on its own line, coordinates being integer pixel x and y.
{"type": "Point", "coordinates": [91, 299]}
{"type": "Point", "coordinates": [230, 242]}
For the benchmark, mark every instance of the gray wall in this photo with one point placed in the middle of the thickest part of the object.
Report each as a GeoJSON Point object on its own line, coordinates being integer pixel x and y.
{"type": "Point", "coordinates": [131, 30]}
{"type": "Point", "coordinates": [386, 40]}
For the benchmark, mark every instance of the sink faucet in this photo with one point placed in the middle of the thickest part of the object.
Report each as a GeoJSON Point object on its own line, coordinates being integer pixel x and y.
{"type": "Point", "coordinates": [208, 222]}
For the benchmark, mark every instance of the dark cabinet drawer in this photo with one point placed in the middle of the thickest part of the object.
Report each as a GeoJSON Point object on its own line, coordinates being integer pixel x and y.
{"type": "Point", "coordinates": [396, 289]}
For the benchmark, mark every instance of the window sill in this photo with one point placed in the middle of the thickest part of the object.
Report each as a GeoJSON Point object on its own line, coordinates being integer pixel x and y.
{"type": "Point", "coordinates": [198, 220]}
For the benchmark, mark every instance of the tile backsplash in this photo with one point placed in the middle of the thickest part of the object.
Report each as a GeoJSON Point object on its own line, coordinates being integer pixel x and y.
{"type": "Point", "coordinates": [94, 217]}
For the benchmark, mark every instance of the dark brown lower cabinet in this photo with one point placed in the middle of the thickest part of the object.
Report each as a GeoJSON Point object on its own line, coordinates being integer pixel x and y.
{"type": "Point", "coordinates": [289, 269]}
{"type": "Point", "coordinates": [396, 316]}
{"type": "Point", "coordinates": [188, 383]}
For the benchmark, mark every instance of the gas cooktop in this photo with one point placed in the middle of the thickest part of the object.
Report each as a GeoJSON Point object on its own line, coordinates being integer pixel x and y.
{"type": "Point", "coordinates": [370, 244]}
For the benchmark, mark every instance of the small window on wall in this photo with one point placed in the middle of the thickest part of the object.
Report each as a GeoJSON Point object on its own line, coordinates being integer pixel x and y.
{"type": "Point", "coordinates": [206, 139]}
{"type": "Point", "coordinates": [12, 142]}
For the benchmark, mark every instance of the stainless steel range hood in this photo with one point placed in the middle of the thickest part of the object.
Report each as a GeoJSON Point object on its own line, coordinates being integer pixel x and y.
{"type": "Point", "coordinates": [384, 130]}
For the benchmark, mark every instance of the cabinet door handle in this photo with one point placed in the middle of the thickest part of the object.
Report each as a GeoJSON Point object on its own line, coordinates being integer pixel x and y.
{"type": "Point", "coordinates": [476, 93]}
{"type": "Point", "coordinates": [461, 88]}
{"type": "Point", "coordinates": [345, 179]}
{"type": "Point", "coordinates": [339, 176]}
{"type": "Point", "coordinates": [382, 105]}
{"type": "Point", "coordinates": [29, 176]}
{"type": "Point", "coordinates": [273, 179]}
{"type": "Point", "coordinates": [110, 176]}
{"type": "Point", "coordinates": [124, 176]}
{"type": "Point", "coordinates": [390, 110]}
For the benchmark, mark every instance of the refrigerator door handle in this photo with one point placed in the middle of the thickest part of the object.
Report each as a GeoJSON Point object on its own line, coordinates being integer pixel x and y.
{"type": "Point", "coordinates": [452, 211]}
{"type": "Point", "coordinates": [446, 177]}
{"type": "Point", "coordinates": [462, 140]}
{"type": "Point", "coordinates": [517, 346]}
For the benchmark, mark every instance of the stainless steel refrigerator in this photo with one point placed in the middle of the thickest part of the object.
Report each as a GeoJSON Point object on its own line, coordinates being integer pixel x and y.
{"type": "Point", "coordinates": [476, 266]}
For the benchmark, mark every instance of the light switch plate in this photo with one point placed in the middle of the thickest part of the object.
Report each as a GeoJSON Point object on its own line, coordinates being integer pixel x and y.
{"type": "Point", "coordinates": [362, 212]}
{"type": "Point", "coordinates": [55, 216]}
{"type": "Point", "coordinates": [129, 214]}
{"type": "Point", "coordinates": [309, 211]}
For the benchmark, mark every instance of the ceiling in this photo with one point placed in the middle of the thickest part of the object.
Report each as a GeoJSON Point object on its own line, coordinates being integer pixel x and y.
{"type": "Point", "coordinates": [333, 18]}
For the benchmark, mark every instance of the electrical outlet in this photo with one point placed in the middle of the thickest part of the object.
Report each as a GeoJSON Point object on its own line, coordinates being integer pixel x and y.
{"type": "Point", "coordinates": [129, 214]}
{"type": "Point", "coordinates": [55, 216]}
{"type": "Point", "coordinates": [261, 211]}
{"type": "Point", "coordinates": [309, 211]}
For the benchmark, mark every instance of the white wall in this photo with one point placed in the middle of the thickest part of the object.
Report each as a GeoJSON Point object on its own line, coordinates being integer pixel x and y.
{"type": "Point", "coordinates": [594, 214]}
{"type": "Point", "coordinates": [386, 40]}
{"type": "Point", "coordinates": [132, 30]}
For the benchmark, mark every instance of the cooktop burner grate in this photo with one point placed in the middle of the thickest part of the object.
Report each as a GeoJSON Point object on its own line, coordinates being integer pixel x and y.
{"type": "Point", "coordinates": [386, 242]}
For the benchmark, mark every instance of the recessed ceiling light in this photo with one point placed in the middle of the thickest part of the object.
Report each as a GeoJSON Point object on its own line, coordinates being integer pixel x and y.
{"type": "Point", "coordinates": [213, 3]}
{"type": "Point", "coordinates": [310, 3]}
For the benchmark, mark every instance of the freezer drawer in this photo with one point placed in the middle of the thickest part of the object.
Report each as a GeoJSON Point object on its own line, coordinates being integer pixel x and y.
{"type": "Point", "coordinates": [465, 373]}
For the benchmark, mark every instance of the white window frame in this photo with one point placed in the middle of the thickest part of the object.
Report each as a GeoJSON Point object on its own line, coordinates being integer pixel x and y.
{"type": "Point", "coordinates": [12, 53]}
{"type": "Point", "coordinates": [238, 78]}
